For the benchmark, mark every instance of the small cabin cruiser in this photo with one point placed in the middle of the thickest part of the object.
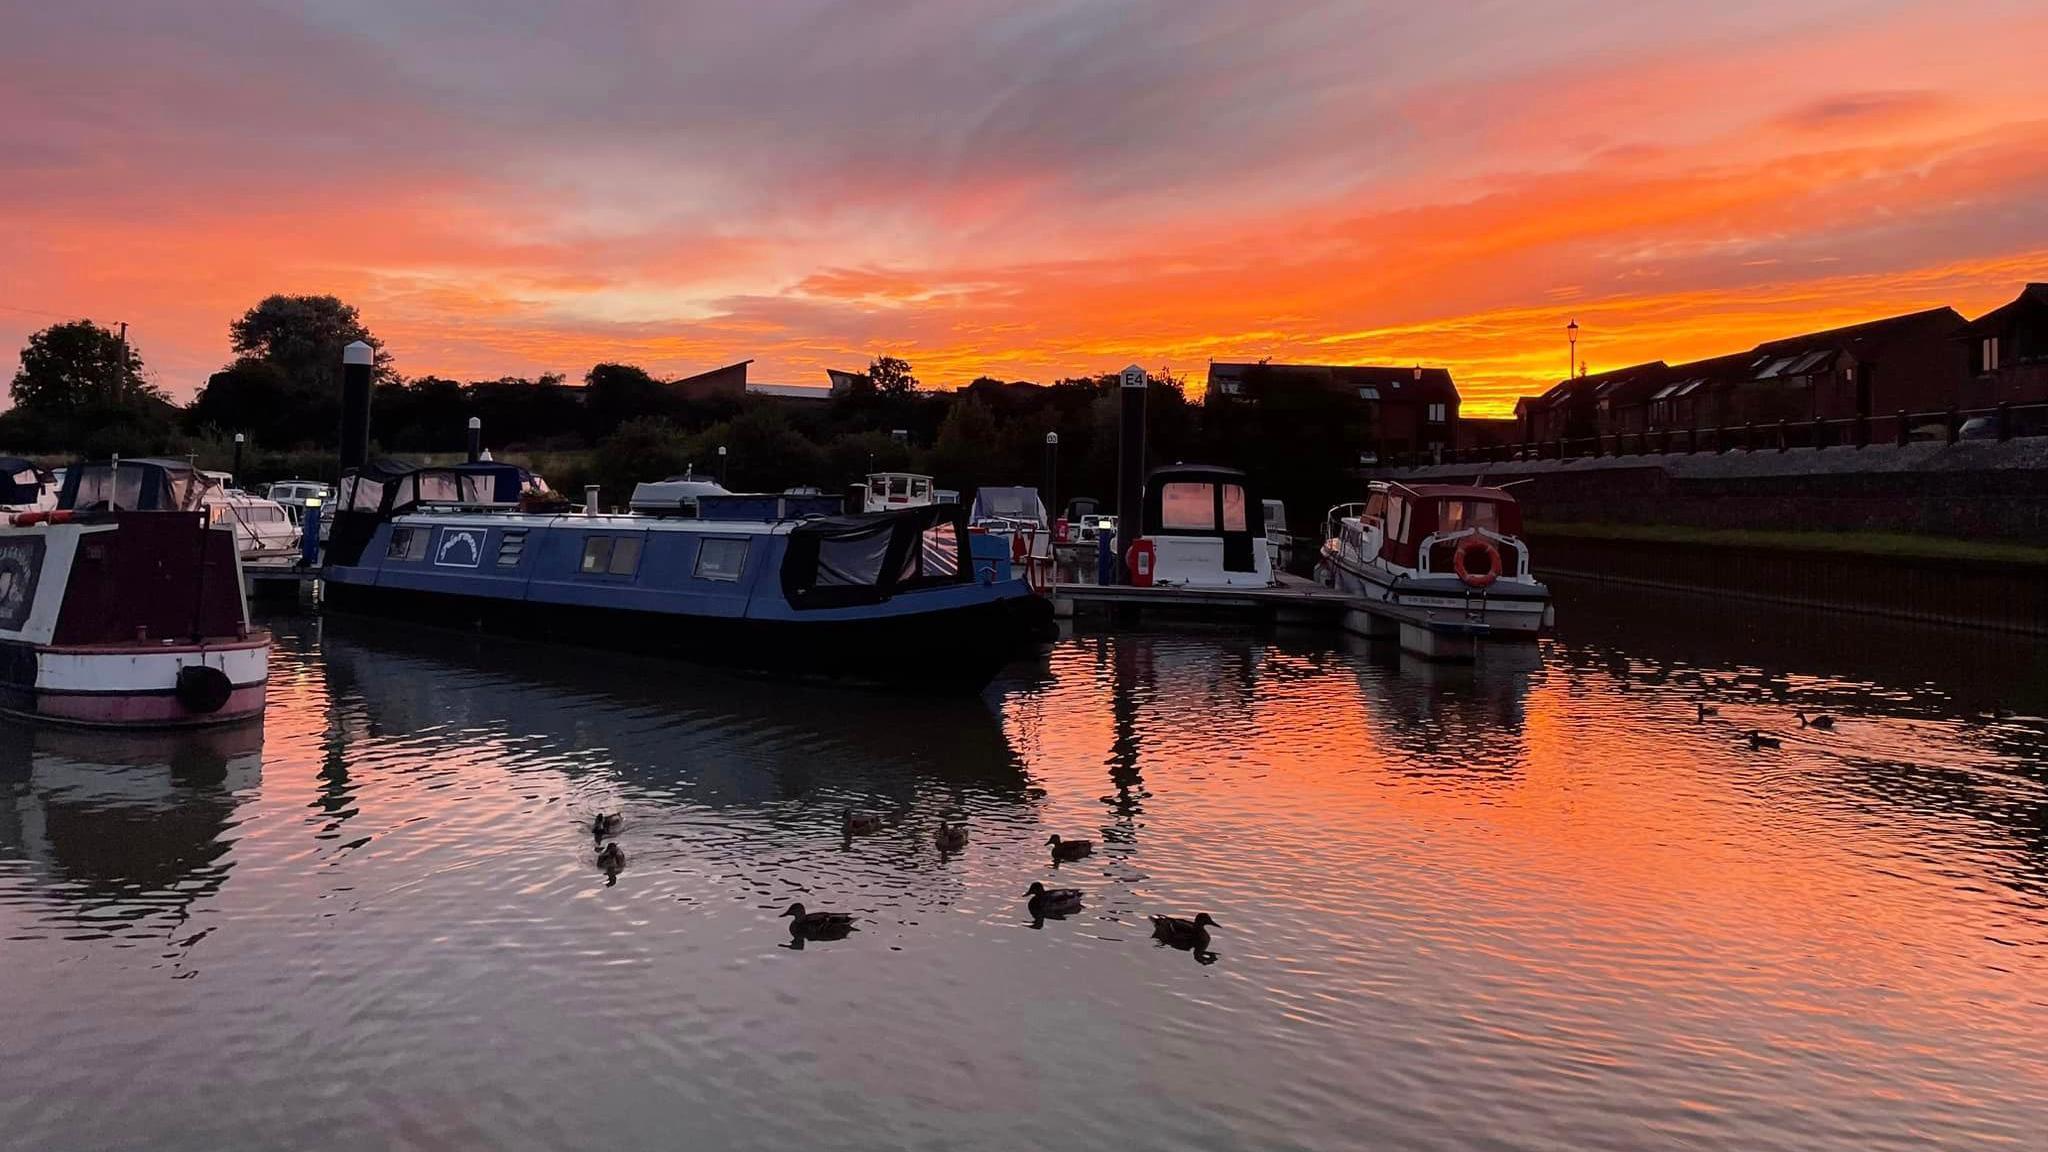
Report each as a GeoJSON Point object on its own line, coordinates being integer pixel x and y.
{"type": "Point", "coordinates": [1017, 517]}
{"type": "Point", "coordinates": [1279, 545]}
{"type": "Point", "coordinates": [1203, 528]}
{"type": "Point", "coordinates": [1439, 547]}
{"type": "Point", "coordinates": [123, 606]}
{"type": "Point", "coordinates": [759, 582]}
{"type": "Point", "coordinates": [890, 490]}
{"type": "Point", "coordinates": [264, 531]}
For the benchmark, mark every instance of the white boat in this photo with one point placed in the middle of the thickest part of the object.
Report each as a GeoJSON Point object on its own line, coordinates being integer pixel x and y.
{"type": "Point", "coordinates": [265, 535]}
{"type": "Point", "coordinates": [893, 491]}
{"type": "Point", "coordinates": [1439, 548]}
{"type": "Point", "coordinates": [1202, 529]}
{"type": "Point", "coordinates": [1279, 545]}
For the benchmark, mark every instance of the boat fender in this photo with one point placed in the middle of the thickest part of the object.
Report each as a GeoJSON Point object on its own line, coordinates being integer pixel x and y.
{"type": "Point", "coordinates": [203, 689]}
{"type": "Point", "coordinates": [1139, 562]}
{"type": "Point", "coordinates": [1460, 560]}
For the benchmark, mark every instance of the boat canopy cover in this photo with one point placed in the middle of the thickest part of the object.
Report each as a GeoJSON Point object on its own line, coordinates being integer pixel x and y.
{"type": "Point", "coordinates": [675, 494]}
{"type": "Point", "coordinates": [140, 485]}
{"type": "Point", "coordinates": [388, 486]}
{"type": "Point", "coordinates": [20, 483]}
{"type": "Point", "coordinates": [838, 561]}
{"type": "Point", "coordinates": [1009, 504]}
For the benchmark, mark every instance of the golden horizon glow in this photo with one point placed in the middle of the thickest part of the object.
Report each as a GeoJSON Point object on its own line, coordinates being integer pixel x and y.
{"type": "Point", "coordinates": [1682, 186]}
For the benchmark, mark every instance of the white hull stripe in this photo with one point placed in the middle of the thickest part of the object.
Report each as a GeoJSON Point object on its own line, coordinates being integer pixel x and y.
{"type": "Point", "coordinates": [119, 672]}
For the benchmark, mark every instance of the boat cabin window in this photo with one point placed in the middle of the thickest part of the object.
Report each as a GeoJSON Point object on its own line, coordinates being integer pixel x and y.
{"type": "Point", "coordinates": [407, 544]}
{"type": "Point", "coordinates": [1233, 508]}
{"type": "Point", "coordinates": [100, 486]}
{"type": "Point", "coordinates": [1397, 519]}
{"type": "Point", "coordinates": [1458, 515]}
{"type": "Point", "coordinates": [938, 553]}
{"type": "Point", "coordinates": [920, 488]}
{"type": "Point", "coordinates": [611, 555]}
{"type": "Point", "coordinates": [852, 560]}
{"type": "Point", "coordinates": [365, 495]}
{"type": "Point", "coordinates": [721, 559]}
{"type": "Point", "coordinates": [1376, 507]}
{"type": "Point", "coordinates": [1191, 507]}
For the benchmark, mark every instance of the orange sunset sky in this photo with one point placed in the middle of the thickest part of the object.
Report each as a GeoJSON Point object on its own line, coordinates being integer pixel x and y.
{"type": "Point", "coordinates": [1027, 191]}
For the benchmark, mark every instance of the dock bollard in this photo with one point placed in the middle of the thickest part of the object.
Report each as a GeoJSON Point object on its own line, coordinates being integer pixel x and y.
{"type": "Point", "coordinates": [1105, 557]}
{"type": "Point", "coordinates": [590, 499]}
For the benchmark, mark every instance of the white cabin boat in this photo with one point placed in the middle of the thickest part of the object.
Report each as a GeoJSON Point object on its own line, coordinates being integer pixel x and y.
{"type": "Point", "coordinates": [1203, 528]}
{"type": "Point", "coordinates": [895, 491]}
{"type": "Point", "coordinates": [1439, 547]}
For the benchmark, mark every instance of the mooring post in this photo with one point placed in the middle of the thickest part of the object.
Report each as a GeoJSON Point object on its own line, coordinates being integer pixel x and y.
{"type": "Point", "coordinates": [476, 438]}
{"type": "Point", "coordinates": [237, 469]}
{"type": "Point", "coordinates": [356, 362]}
{"type": "Point", "coordinates": [1130, 465]}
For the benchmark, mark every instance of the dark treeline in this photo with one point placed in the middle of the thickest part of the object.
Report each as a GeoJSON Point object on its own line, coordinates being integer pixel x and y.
{"type": "Point", "coordinates": [80, 390]}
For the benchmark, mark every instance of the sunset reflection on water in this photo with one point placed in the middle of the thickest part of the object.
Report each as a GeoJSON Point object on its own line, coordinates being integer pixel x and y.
{"type": "Point", "coordinates": [1537, 903]}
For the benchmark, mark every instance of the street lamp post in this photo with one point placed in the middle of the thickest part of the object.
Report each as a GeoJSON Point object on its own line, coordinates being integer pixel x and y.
{"type": "Point", "coordinates": [721, 465]}
{"type": "Point", "coordinates": [239, 438]}
{"type": "Point", "coordinates": [476, 438]}
{"type": "Point", "coordinates": [1052, 472]}
{"type": "Point", "coordinates": [1571, 362]}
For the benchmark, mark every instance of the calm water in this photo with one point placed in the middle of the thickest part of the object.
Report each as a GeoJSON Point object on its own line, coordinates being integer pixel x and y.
{"type": "Point", "coordinates": [1533, 905]}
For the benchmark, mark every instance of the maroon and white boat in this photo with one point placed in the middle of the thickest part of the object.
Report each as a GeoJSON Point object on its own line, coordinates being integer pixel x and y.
{"type": "Point", "coordinates": [123, 606]}
{"type": "Point", "coordinates": [1450, 551]}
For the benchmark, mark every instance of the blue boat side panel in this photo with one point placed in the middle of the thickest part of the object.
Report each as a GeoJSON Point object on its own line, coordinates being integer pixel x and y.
{"type": "Point", "coordinates": [461, 559]}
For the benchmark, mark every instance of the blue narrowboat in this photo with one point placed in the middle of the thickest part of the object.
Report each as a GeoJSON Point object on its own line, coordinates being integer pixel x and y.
{"type": "Point", "coordinates": [758, 582]}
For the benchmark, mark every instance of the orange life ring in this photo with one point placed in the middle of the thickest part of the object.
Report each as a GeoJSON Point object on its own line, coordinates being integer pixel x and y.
{"type": "Point", "coordinates": [1467, 547]}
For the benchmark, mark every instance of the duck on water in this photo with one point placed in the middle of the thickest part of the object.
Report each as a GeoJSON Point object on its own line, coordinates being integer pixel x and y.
{"type": "Point", "coordinates": [777, 583]}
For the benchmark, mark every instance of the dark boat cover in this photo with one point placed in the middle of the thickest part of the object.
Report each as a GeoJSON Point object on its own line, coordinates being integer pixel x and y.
{"type": "Point", "coordinates": [837, 561]}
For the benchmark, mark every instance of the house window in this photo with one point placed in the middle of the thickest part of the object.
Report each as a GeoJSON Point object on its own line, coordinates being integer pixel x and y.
{"type": "Point", "coordinates": [1368, 392]}
{"type": "Point", "coordinates": [1230, 387]}
{"type": "Point", "coordinates": [607, 555]}
{"type": "Point", "coordinates": [1436, 413]}
{"type": "Point", "coordinates": [1991, 354]}
{"type": "Point", "coordinates": [720, 559]}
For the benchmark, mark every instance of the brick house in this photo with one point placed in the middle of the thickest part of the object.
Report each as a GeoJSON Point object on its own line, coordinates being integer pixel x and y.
{"type": "Point", "coordinates": [2006, 352]}
{"type": "Point", "coordinates": [1397, 412]}
{"type": "Point", "coordinates": [1875, 368]}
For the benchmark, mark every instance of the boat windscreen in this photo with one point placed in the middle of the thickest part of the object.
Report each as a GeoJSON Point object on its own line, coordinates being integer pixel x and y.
{"type": "Point", "coordinates": [839, 561]}
{"type": "Point", "coordinates": [853, 560]}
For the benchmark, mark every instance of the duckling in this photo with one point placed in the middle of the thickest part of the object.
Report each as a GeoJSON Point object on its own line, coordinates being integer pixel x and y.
{"type": "Point", "coordinates": [612, 858]}
{"type": "Point", "coordinates": [817, 925]}
{"type": "Point", "coordinates": [1064, 850]}
{"type": "Point", "coordinates": [606, 824]}
{"type": "Point", "coordinates": [1707, 710]}
{"type": "Point", "coordinates": [1052, 901]}
{"type": "Point", "coordinates": [1759, 740]}
{"type": "Point", "coordinates": [1184, 933]}
{"type": "Point", "coordinates": [951, 837]}
{"type": "Point", "coordinates": [860, 822]}
{"type": "Point", "coordinates": [1824, 723]}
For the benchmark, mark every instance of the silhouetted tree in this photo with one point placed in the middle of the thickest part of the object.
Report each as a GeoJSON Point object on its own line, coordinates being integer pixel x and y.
{"type": "Point", "coordinates": [70, 368]}
{"type": "Point", "coordinates": [304, 336]}
{"type": "Point", "coordinates": [891, 377]}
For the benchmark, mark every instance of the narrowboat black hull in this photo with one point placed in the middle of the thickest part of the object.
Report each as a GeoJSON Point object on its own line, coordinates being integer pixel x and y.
{"type": "Point", "coordinates": [953, 650]}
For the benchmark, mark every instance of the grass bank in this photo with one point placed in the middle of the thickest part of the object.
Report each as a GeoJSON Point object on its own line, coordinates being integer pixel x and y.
{"type": "Point", "coordinates": [1896, 545]}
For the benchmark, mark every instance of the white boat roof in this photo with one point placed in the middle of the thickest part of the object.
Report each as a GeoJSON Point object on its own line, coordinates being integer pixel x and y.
{"type": "Point", "coordinates": [610, 522]}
